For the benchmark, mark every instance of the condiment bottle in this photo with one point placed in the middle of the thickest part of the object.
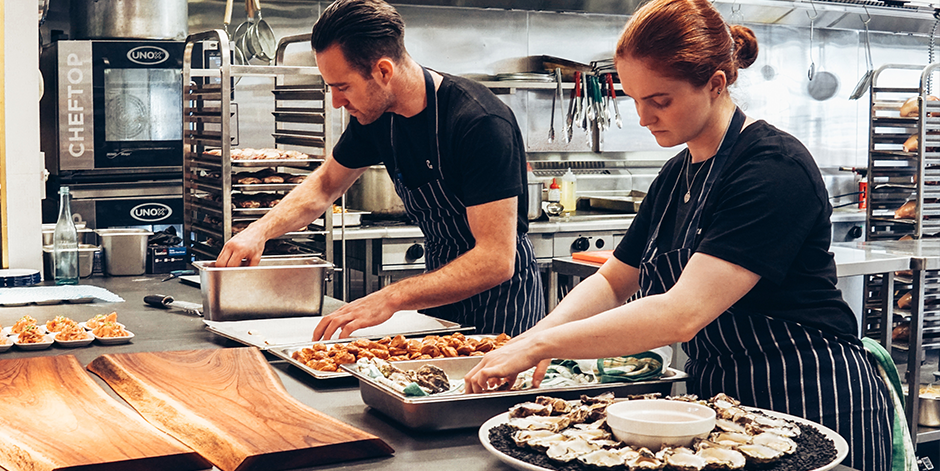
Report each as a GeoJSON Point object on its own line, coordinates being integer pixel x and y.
{"type": "Point", "coordinates": [554, 208]}
{"type": "Point", "coordinates": [65, 243]}
{"type": "Point", "coordinates": [569, 184]}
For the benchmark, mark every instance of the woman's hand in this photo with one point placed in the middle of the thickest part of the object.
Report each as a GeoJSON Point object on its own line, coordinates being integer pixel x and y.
{"type": "Point", "coordinates": [501, 366]}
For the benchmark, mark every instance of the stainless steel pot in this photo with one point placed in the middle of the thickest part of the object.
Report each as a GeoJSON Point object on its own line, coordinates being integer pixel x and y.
{"type": "Point", "coordinates": [375, 192]}
{"type": "Point", "coordinates": [535, 200]}
{"type": "Point", "coordinates": [132, 19]}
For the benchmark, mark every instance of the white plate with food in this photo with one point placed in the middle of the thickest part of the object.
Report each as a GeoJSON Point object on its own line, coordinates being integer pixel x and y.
{"type": "Point", "coordinates": [842, 447]}
{"type": "Point", "coordinates": [6, 344]}
{"type": "Point", "coordinates": [85, 326]}
{"type": "Point", "coordinates": [116, 340]}
{"type": "Point", "coordinates": [8, 331]}
{"type": "Point", "coordinates": [46, 343]}
{"type": "Point", "coordinates": [89, 338]}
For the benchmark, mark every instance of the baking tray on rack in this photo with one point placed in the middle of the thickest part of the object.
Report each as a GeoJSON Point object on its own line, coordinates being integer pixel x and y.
{"type": "Point", "coordinates": [285, 332]}
{"type": "Point", "coordinates": [454, 411]}
{"type": "Point", "coordinates": [294, 163]}
{"type": "Point", "coordinates": [287, 353]}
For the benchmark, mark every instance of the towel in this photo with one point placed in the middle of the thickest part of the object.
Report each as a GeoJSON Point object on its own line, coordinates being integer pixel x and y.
{"type": "Point", "coordinates": [903, 455]}
{"type": "Point", "coordinates": [41, 294]}
{"type": "Point", "coordinates": [629, 368]}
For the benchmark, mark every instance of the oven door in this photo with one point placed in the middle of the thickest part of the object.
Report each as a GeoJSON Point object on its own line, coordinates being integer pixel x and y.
{"type": "Point", "coordinates": [138, 103]}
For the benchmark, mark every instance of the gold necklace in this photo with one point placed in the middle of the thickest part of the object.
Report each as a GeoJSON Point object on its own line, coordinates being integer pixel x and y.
{"type": "Point", "coordinates": [688, 185]}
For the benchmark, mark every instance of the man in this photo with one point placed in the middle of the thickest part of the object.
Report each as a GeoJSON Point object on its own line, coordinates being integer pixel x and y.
{"type": "Point", "coordinates": [457, 158]}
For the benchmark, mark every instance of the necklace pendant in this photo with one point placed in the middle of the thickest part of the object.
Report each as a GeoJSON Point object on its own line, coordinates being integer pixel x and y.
{"type": "Point", "coordinates": [687, 197]}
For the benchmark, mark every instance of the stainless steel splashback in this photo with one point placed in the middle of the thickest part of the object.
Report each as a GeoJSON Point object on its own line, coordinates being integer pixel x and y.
{"type": "Point", "coordinates": [473, 37]}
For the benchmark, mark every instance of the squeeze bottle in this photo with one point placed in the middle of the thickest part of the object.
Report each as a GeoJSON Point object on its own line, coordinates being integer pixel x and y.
{"type": "Point", "coordinates": [568, 188]}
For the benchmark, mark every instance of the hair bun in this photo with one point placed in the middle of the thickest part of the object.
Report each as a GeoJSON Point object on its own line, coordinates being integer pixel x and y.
{"type": "Point", "coordinates": [745, 46]}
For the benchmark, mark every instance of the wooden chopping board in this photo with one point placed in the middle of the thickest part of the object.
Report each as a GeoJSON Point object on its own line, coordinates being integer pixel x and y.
{"type": "Point", "coordinates": [54, 416]}
{"type": "Point", "coordinates": [230, 406]}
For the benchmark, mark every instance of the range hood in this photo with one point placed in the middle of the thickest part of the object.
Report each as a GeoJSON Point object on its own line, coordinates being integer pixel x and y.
{"type": "Point", "coordinates": [916, 16]}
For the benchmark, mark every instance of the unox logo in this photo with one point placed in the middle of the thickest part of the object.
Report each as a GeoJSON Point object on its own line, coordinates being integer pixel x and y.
{"type": "Point", "coordinates": [151, 212]}
{"type": "Point", "coordinates": [148, 55]}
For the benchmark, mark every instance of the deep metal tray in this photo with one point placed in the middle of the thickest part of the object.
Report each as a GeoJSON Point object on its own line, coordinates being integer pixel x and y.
{"type": "Point", "coordinates": [287, 353]}
{"type": "Point", "coordinates": [453, 411]}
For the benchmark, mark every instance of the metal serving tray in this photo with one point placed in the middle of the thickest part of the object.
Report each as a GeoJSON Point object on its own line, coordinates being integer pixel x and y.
{"type": "Point", "coordinates": [453, 411]}
{"type": "Point", "coordinates": [296, 331]}
{"type": "Point", "coordinates": [287, 353]}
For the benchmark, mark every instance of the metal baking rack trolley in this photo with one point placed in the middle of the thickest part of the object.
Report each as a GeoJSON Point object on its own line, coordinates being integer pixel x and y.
{"type": "Point", "coordinates": [227, 187]}
{"type": "Point", "coordinates": [904, 172]}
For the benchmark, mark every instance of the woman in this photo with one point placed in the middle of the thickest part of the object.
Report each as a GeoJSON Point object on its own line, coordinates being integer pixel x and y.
{"type": "Point", "coordinates": [729, 250]}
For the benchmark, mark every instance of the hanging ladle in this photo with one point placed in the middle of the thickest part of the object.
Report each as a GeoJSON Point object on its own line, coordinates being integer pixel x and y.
{"type": "Point", "coordinates": [812, 27]}
{"type": "Point", "coordinates": [865, 82]}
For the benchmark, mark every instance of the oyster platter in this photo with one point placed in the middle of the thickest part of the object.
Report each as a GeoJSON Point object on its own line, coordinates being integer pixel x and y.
{"type": "Point", "coordinates": [549, 433]}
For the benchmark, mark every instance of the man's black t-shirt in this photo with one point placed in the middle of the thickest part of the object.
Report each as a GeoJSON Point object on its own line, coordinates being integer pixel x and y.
{"type": "Point", "coordinates": [769, 213]}
{"type": "Point", "coordinates": [481, 146]}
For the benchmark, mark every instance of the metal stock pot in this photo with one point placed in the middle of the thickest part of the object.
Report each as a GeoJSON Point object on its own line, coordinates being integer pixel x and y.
{"type": "Point", "coordinates": [133, 19]}
{"type": "Point", "coordinates": [375, 192]}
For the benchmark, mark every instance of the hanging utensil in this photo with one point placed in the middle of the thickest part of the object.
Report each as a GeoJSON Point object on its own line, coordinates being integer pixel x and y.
{"type": "Point", "coordinates": [812, 29]}
{"type": "Point", "coordinates": [865, 82]}
{"type": "Point", "coordinates": [569, 118]}
{"type": "Point", "coordinates": [555, 97]}
{"type": "Point", "coordinates": [613, 97]}
{"type": "Point", "coordinates": [242, 29]}
{"type": "Point", "coordinates": [238, 57]}
{"type": "Point", "coordinates": [262, 41]}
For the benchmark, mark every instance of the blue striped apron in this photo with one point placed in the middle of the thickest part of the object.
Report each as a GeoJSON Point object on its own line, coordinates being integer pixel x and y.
{"type": "Point", "coordinates": [772, 363]}
{"type": "Point", "coordinates": [511, 307]}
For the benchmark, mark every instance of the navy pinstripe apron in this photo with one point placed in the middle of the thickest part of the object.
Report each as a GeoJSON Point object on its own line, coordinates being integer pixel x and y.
{"type": "Point", "coordinates": [511, 307]}
{"type": "Point", "coordinates": [772, 363]}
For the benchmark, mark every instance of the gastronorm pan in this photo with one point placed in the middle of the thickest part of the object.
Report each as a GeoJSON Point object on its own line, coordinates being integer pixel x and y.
{"type": "Point", "coordinates": [453, 411]}
{"type": "Point", "coordinates": [277, 287]}
{"type": "Point", "coordinates": [287, 352]}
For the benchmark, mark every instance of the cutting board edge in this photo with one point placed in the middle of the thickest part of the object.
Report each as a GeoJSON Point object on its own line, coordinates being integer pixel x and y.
{"type": "Point", "coordinates": [120, 380]}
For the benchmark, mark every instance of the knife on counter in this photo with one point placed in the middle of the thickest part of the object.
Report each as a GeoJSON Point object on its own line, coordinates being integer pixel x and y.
{"type": "Point", "coordinates": [166, 302]}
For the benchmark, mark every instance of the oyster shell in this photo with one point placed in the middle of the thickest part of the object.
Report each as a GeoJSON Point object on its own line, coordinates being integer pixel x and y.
{"type": "Point", "coordinates": [759, 454]}
{"type": "Point", "coordinates": [719, 457]}
{"type": "Point", "coordinates": [527, 409]}
{"type": "Point", "coordinates": [558, 405]}
{"type": "Point", "coordinates": [682, 459]}
{"type": "Point", "coordinates": [602, 458]}
{"type": "Point", "coordinates": [524, 437]}
{"type": "Point", "coordinates": [566, 451]}
{"type": "Point", "coordinates": [586, 434]}
{"type": "Point", "coordinates": [723, 401]}
{"type": "Point", "coordinates": [731, 439]}
{"type": "Point", "coordinates": [730, 426]}
{"type": "Point", "coordinates": [432, 378]}
{"type": "Point", "coordinates": [775, 441]}
{"type": "Point", "coordinates": [642, 459]}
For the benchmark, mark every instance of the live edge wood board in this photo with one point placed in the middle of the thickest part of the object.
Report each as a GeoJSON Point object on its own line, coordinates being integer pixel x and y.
{"type": "Point", "coordinates": [229, 405]}
{"type": "Point", "coordinates": [53, 416]}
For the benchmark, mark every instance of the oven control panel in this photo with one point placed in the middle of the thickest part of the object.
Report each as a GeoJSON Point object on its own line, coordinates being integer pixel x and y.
{"type": "Point", "coordinates": [401, 254]}
{"type": "Point", "coordinates": [567, 243]}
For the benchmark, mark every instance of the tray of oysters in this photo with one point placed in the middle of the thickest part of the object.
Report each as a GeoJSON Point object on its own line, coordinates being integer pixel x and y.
{"type": "Point", "coordinates": [428, 394]}
{"type": "Point", "coordinates": [550, 433]}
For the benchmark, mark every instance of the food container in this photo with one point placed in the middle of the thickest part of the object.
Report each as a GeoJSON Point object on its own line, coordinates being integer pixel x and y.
{"type": "Point", "coordinates": [453, 411]}
{"type": "Point", "coordinates": [535, 200]}
{"type": "Point", "coordinates": [125, 250]}
{"type": "Point", "coordinates": [85, 236]}
{"type": "Point", "coordinates": [277, 287]}
{"type": "Point", "coordinates": [86, 258]}
{"type": "Point", "coordinates": [629, 203]}
{"type": "Point", "coordinates": [352, 218]}
{"type": "Point", "coordinates": [929, 413]}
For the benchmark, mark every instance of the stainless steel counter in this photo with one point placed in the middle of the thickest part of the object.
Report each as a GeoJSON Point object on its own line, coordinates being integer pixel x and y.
{"type": "Point", "coordinates": [165, 330]}
{"type": "Point", "coordinates": [620, 223]}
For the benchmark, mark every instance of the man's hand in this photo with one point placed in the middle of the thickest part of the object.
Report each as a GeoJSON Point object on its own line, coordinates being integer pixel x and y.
{"type": "Point", "coordinates": [371, 310]}
{"type": "Point", "coordinates": [246, 245]}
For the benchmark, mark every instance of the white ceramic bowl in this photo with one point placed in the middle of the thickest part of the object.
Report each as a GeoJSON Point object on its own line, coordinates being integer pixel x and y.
{"type": "Point", "coordinates": [654, 423]}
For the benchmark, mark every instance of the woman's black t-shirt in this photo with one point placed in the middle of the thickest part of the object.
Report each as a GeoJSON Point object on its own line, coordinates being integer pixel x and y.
{"type": "Point", "coordinates": [481, 146]}
{"type": "Point", "coordinates": [769, 213]}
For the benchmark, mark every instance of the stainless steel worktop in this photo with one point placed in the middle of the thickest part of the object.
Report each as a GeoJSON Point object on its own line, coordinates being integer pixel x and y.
{"type": "Point", "coordinates": [166, 330]}
{"type": "Point", "coordinates": [620, 223]}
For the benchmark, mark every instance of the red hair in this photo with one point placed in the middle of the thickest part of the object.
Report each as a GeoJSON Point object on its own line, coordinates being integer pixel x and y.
{"type": "Point", "coordinates": [687, 40]}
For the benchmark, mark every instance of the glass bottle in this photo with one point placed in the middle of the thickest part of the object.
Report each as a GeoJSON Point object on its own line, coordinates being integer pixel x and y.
{"type": "Point", "coordinates": [65, 243]}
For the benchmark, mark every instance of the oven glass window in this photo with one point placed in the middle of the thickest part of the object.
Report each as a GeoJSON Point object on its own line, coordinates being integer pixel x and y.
{"type": "Point", "coordinates": [143, 104]}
